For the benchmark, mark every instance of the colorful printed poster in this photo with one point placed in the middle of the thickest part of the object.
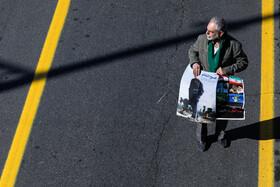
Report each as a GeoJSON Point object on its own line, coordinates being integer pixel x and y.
{"type": "Point", "coordinates": [197, 97]}
{"type": "Point", "coordinates": [230, 105]}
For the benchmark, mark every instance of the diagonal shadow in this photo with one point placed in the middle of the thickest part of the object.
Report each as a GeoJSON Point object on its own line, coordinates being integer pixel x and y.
{"type": "Point", "coordinates": [97, 61]}
{"type": "Point", "coordinates": [26, 77]}
{"type": "Point", "coordinates": [236, 25]}
{"type": "Point", "coordinates": [12, 68]}
{"type": "Point", "coordinates": [14, 75]}
{"type": "Point", "coordinates": [264, 130]}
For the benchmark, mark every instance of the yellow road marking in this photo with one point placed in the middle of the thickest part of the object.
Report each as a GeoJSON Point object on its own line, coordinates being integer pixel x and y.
{"type": "Point", "coordinates": [16, 152]}
{"type": "Point", "coordinates": [266, 158]}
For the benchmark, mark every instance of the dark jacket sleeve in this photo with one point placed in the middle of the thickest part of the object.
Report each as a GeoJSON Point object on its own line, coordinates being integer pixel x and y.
{"type": "Point", "coordinates": [240, 60]}
{"type": "Point", "coordinates": [194, 52]}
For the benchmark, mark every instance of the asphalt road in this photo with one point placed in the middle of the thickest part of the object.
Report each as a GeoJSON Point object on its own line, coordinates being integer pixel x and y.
{"type": "Point", "coordinates": [107, 116]}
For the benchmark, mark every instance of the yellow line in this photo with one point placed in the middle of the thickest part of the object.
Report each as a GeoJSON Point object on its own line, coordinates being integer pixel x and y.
{"type": "Point", "coordinates": [266, 158]}
{"type": "Point", "coordinates": [16, 152]}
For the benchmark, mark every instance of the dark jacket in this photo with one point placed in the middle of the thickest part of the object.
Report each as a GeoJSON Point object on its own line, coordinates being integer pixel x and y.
{"type": "Point", "coordinates": [232, 57]}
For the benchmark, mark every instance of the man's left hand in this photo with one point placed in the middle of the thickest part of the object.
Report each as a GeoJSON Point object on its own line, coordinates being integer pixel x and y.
{"type": "Point", "coordinates": [220, 71]}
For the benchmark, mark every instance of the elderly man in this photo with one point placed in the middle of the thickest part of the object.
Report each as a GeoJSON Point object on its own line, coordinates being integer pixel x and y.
{"type": "Point", "coordinates": [216, 51]}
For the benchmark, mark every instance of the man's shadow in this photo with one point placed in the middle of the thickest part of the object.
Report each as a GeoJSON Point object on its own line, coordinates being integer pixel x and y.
{"type": "Point", "coordinates": [264, 130]}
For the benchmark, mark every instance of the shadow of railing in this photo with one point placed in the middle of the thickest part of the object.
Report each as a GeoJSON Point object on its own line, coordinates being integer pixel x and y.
{"type": "Point", "coordinates": [26, 76]}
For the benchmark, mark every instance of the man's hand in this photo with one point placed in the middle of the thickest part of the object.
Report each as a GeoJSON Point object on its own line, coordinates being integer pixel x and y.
{"type": "Point", "coordinates": [196, 70]}
{"type": "Point", "coordinates": [220, 71]}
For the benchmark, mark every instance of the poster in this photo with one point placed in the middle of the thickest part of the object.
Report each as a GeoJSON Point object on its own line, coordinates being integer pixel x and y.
{"type": "Point", "coordinates": [230, 98]}
{"type": "Point", "coordinates": [210, 97]}
{"type": "Point", "coordinates": [197, 97]}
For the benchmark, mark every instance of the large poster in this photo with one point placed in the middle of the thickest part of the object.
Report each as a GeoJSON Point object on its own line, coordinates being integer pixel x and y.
{"type": "Point", "coordinates": [197, 97]}
{"type": "Point", "coordinates": [210, 97]}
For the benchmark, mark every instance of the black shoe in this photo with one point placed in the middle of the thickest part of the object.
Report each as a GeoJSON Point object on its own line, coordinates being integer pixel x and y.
{"type": "Point", "coordinates": [223, 142]}
{"type": "Point", "coordinates": [201, 145]}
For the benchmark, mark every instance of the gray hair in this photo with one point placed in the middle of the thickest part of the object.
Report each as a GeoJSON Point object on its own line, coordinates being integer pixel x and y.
{"type": "Point", "coordinates": [220, 24]}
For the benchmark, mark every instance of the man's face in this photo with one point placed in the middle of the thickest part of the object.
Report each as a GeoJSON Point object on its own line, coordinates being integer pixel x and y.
{"type": "Point", "coordinates": [212, 33]}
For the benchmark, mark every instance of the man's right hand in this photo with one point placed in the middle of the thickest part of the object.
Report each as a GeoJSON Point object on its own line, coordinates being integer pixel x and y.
{"type": "Point", "coordinates": [196, 70]}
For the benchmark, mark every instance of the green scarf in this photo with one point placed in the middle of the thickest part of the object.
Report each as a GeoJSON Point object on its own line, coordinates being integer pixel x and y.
{"type": "Point", "coordinates": [213, 59]}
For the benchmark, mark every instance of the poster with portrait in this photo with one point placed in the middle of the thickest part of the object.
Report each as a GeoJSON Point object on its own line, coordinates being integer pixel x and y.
{"type": "Point", "coordinates": [197, 97]}
{"type": "Point", "coordinates": [210, 97]}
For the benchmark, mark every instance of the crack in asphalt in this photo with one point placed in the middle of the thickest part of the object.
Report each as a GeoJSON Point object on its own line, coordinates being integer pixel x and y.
{"type": "Point", "coordinates": [182, 15]}
{"type": "Point", "coordinates": [182, 8]}
{"type": "Point", "coordinates": [169, 61]}
{"type": "Point", "coordinates": [155, 157]}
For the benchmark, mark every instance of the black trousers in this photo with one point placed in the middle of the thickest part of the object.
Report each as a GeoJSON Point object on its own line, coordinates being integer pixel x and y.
{"type": "Point", "coordinates": [193, 102]}
{"type": "Point", "coordinates": [201, 130]}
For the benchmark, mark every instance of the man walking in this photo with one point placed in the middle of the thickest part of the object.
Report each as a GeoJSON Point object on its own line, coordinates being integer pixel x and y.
{"type": "Point", "coordinates": [216, 51]}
